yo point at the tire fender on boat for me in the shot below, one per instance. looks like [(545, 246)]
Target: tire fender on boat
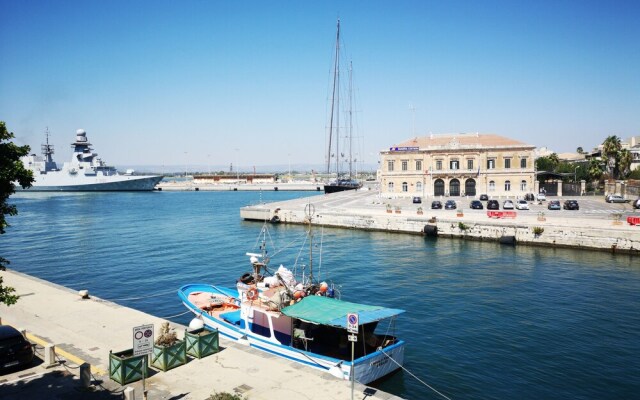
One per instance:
[(252, 294)]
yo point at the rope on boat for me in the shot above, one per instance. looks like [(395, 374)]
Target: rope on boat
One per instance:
[(177, 315), (410, 373), (141, 297)]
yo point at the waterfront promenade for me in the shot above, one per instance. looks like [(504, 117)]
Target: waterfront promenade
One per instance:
[(597, 225), (85, 330)]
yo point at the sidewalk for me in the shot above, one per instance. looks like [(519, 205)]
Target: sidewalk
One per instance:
[(86, 330)]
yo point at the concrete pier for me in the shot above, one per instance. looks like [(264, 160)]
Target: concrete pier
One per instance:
[(597, 226), (242, 187), (85, 330)]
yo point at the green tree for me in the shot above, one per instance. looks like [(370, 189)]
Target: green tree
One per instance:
[(11, 170), (596, 169), (624, 163), (610, 152), (579, 150)]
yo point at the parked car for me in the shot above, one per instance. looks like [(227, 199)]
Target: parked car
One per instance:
[(636, 204), (417, 200), (522, 204), (554, 205), (15, 350), (542, 197), (484, 197), (493, 205), (615, 198), (476, 205), (450, 205), (571, 205), (507, 205), (436, 205)]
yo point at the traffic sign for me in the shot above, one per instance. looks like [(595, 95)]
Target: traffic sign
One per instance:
[(142, 340), (352, 323), (353, 338)]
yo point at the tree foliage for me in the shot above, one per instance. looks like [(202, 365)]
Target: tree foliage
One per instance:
[(610, 153), (11, 170)]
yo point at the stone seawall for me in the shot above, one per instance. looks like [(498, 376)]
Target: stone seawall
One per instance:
[(600, 234)]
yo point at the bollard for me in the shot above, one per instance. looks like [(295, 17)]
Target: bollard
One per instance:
[(85, 375), (129, 393), (49, 355)]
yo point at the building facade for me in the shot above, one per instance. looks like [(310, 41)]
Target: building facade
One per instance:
[(467, 164)]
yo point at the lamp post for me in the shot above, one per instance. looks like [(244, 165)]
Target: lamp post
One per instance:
[(575, 174), (237, 169), (185, 166)]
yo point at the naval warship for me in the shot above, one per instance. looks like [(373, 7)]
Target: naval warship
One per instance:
[(86, 172)]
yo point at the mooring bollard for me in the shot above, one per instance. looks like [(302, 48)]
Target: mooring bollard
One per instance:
[(129, 393), (85, 375), (49, 355)]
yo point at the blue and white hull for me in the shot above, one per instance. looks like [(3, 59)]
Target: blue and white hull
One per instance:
[(250, 323)]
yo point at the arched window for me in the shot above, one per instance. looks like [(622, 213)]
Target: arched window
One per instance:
[(492, 186), (507, 186), (454, 187), (405, 187), (523, 186), (419, 187), (470, 187), (438, 187), (390, 187)]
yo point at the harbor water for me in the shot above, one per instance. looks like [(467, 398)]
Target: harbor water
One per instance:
[(482, 321)]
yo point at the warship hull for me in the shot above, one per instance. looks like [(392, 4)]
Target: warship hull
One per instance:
[(97, 184)]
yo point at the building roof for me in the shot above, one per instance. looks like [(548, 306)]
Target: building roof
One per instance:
[(460, 140)]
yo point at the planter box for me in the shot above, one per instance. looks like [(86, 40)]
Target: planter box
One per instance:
[(165, 358), (202, 342), (125, 368)]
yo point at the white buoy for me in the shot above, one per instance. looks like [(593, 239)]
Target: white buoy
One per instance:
[(196, 324), (84, 293)]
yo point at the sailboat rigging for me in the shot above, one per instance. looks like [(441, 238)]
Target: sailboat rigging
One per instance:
[(341, 183)]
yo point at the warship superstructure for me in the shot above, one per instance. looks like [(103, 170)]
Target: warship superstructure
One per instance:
[(86, 172)]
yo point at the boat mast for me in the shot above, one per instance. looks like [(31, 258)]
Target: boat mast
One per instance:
[(47, 149), (335, 105), (350, 118)]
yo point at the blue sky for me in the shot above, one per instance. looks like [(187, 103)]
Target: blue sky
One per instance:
[(243, 82)]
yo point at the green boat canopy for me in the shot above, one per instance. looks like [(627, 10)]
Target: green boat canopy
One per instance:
[(327, 311)]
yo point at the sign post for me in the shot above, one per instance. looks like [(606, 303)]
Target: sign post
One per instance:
[(352, 327), (143, 345)]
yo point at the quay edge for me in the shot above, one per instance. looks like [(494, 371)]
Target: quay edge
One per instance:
[(85, 330), (346, 211)]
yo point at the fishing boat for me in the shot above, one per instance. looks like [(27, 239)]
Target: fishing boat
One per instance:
[(299, 319), (342, 182), (85, 172)]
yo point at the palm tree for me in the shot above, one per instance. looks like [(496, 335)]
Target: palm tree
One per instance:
[(555, 161), (610, 149), (595, 169), (624, 162)]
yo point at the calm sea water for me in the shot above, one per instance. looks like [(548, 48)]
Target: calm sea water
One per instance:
[(483, 321)]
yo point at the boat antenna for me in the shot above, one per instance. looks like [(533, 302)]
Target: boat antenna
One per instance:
[(309, 210)]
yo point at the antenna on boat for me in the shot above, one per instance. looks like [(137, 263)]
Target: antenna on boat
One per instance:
[(309, 210)]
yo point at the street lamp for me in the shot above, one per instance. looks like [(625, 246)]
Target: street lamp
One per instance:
[(185, 165), (575, 174)]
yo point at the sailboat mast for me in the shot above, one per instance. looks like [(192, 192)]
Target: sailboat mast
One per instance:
[(335, 104), (350, 119)]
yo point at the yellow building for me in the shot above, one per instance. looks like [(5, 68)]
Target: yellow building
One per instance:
[(466, 164)]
